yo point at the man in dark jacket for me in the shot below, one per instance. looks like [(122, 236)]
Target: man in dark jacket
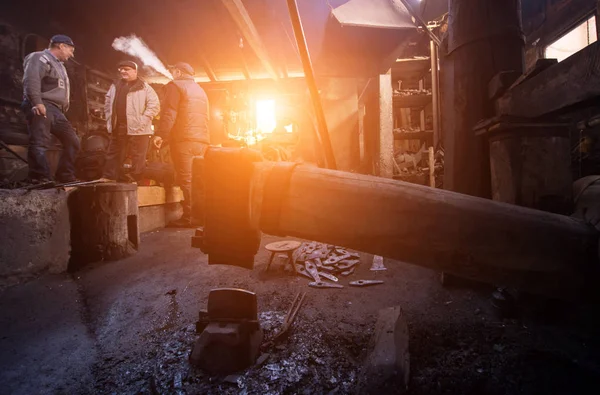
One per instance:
[(184, 124), (45, 101)]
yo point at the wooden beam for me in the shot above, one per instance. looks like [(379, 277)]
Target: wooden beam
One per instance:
[(243, 21), (569, 82), (475, 238), (210, 72), (196, 40), (597, 14)]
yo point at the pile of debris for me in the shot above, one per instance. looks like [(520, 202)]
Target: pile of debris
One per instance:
[(414, 166), (318, 261)]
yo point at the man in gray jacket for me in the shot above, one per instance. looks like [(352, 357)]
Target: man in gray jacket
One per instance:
[(184, 124), (130, 106), (46, 99)]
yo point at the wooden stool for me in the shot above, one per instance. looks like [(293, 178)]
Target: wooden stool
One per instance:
[(287, 246)]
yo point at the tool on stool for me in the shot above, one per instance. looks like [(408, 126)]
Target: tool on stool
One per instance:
[(286, 246)]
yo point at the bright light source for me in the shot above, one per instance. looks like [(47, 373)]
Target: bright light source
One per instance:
[(574, 41), (265, 116)]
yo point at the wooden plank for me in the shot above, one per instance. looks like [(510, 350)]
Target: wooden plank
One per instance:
[(574, 80), (431, 167), (386, 127), (471, 237), (243, 21), (155, 195)]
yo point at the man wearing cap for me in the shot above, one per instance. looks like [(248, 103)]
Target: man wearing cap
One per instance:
[(45, 101), (184, 124), (130, 106)]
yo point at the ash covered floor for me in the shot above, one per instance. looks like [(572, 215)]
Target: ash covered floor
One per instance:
[(127, 327)]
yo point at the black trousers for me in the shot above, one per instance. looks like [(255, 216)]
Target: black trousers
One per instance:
[(182, 155), (120, 148), (40, 128)]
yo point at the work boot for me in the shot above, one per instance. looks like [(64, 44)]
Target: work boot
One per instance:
[(183, 222)]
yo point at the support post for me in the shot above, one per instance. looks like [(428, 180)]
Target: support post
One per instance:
[(386, 126), (312, 84), (431, 167), (435, 89), (484, 38)]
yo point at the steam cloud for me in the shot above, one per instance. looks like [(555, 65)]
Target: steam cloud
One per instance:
[(135, 46)]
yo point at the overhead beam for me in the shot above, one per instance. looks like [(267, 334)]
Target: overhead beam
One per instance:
[(569, 82), (242, 19), (309, 74), (210, 72)]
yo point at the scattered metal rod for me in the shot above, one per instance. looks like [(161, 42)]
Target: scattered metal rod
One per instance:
[(364, 283), (323, 284), (289, 319), (50, 185), (311, 268), (328, 276), (43, 185)]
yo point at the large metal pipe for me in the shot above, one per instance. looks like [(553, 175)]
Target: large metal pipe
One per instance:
[(312, 84), (471, 237)]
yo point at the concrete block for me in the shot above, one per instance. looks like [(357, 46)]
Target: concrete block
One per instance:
[(157, 217), (34, 235), (155, 195), (104, 223), (387, 367)]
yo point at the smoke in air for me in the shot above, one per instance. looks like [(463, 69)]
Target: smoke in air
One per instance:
[(135, 46)]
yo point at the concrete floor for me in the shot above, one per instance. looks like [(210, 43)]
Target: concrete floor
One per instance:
[(127, 326)]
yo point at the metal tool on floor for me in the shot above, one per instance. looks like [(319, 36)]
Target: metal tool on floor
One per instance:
[(311, 268), (377, 264), (328, 276), (364, 283), (323, 284), (288, 321)]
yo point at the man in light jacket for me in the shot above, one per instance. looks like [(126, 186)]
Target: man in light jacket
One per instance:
[(130, 106), (46, 99)]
